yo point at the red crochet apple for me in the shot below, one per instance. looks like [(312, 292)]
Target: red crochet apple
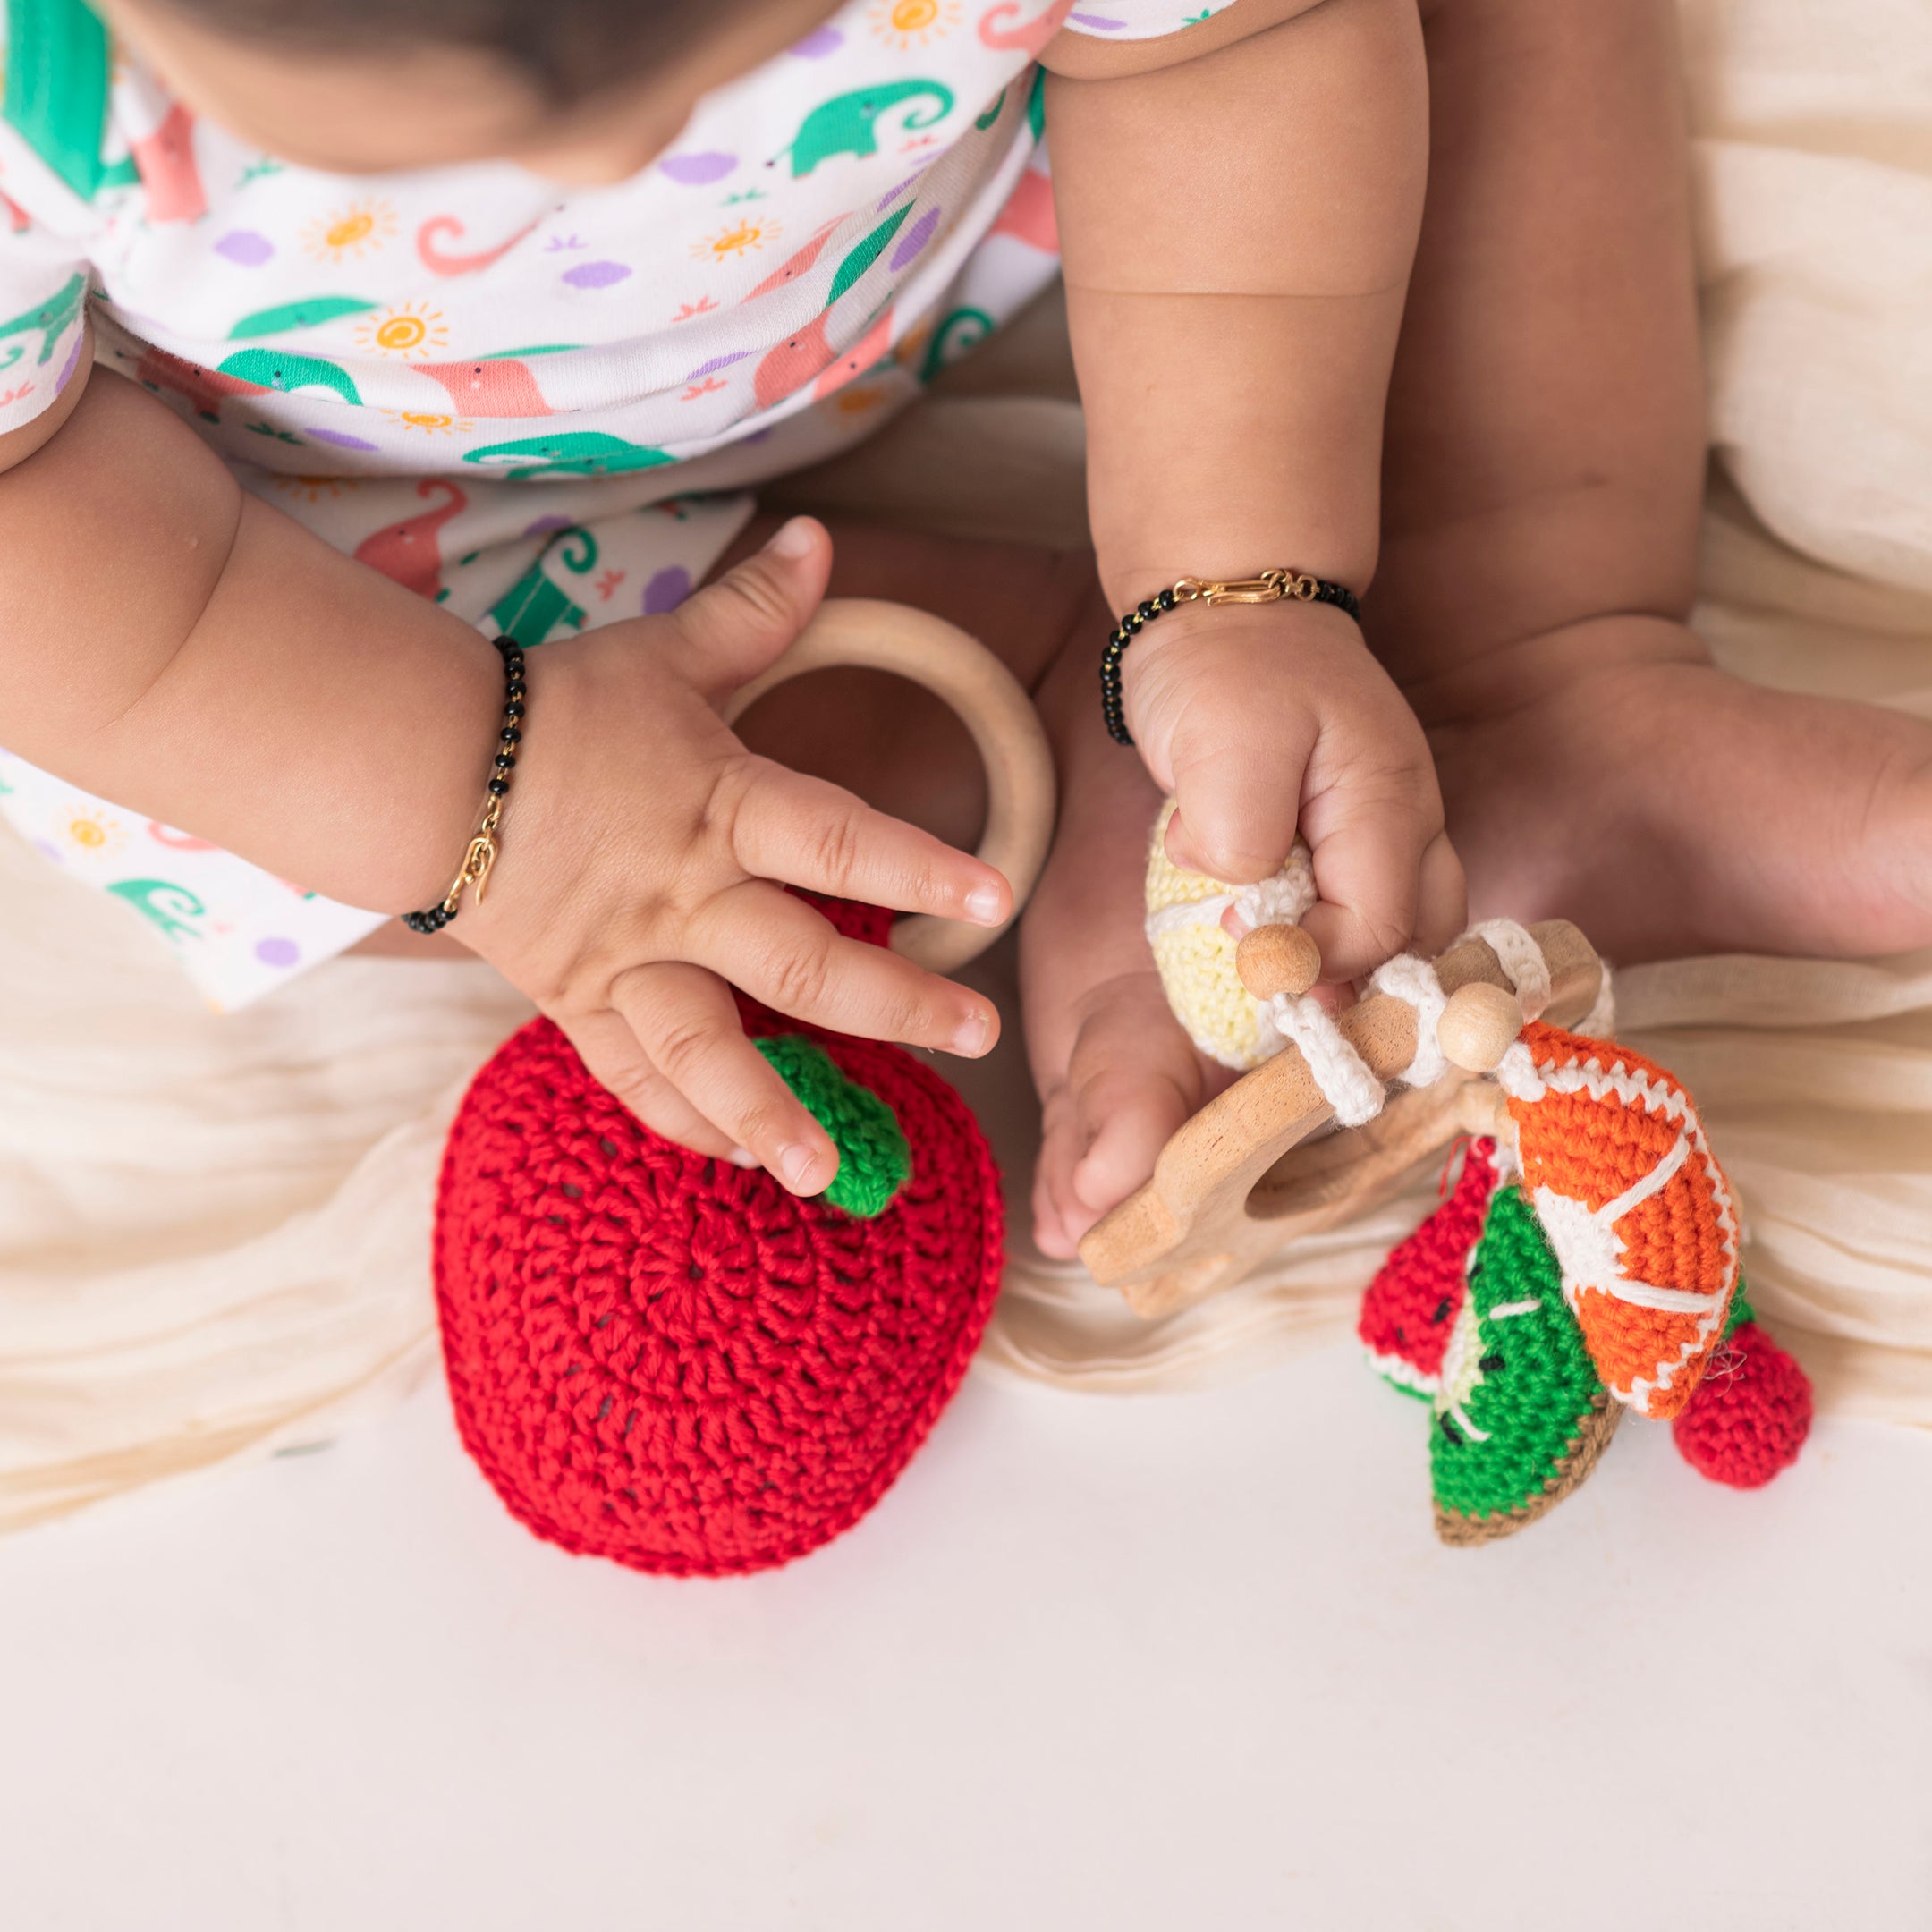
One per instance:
[(668, 1361)]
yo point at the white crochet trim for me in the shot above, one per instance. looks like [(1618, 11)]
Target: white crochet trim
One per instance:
[(1600, 1021), (1188, 913), (1341, 1073), (1522, 961), (1280, 901), (1413, 980)]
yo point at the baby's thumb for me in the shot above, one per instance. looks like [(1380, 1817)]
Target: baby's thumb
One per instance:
[(1234, 817), (735, 628)]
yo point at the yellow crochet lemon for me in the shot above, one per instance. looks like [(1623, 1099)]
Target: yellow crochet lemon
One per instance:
[(1196, 954)]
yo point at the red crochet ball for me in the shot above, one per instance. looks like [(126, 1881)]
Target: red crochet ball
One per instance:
[(669, 1360), (1748, 1417)]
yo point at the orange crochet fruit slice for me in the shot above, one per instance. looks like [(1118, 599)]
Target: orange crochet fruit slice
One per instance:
[(1635, 1206)]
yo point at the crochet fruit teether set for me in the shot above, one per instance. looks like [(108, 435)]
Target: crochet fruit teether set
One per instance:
[(668, 1361), (1584, 1260)]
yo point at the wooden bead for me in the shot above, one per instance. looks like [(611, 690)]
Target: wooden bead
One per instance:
[(1477, 1026), (1273, 960)]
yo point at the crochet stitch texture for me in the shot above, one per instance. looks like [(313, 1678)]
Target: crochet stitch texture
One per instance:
[(670, 1361)]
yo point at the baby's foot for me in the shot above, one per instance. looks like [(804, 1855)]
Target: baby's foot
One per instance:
[(1609, 774)]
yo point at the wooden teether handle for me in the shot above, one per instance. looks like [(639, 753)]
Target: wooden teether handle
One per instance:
[(873, 635), (1207, 1219)]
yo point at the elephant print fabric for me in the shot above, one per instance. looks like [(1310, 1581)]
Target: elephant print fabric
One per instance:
[(448, 373), (779, 274)]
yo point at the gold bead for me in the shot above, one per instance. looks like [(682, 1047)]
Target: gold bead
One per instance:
[(1275, 960), (1477, 1026)]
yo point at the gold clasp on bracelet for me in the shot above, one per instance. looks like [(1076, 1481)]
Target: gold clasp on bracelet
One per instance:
[(1269, 587), (478, 860)]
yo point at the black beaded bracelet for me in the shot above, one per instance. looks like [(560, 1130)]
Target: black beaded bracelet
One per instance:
[(481, 855), (1269, 587)]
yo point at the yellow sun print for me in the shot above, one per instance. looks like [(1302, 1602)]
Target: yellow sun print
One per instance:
[(737, 240), (407, 330), (93, 831), (311, 488), (431, 422), (348, 234), (906, 24)]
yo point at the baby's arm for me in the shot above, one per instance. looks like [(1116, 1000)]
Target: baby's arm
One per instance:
[(1238, 205), (179, 647), (176, 646)]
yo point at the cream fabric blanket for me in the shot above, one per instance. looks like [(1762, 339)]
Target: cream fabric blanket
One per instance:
[(214, 1232)]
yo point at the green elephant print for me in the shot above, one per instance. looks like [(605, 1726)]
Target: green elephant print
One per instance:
[(50, 318), (568, 452), (961, 330), (536, 604), (278, 369), (170, 907), (310, 312), (844, 124)]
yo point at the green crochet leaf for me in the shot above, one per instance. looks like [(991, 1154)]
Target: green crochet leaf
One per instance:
[(874, 1159), (1740, 1312), (1521, 1412)]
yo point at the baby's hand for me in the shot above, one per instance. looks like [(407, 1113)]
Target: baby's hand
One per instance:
[(638, 870), (1266, 718)]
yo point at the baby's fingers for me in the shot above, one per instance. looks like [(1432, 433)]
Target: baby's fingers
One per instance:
[(1235, 812), (610, 1051), (803, 831), (1368, 845), (687, 1027), (781, 951)]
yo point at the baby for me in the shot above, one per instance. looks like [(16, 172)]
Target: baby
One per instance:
[(416, 324)]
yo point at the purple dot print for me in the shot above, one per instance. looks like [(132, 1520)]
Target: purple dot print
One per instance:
[(596, 273), (716, 363), (914, 238), (277, 952), (893, 194), (341, 438), (698, 170), (820, 42), (70, 365), (244, 248), (546, 524), (666, 590)]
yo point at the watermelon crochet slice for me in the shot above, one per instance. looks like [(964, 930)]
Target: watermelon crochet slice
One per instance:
[(1522, 1415), (1411, 1307)]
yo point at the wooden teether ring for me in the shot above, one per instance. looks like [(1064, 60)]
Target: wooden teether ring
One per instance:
[(870, 635)]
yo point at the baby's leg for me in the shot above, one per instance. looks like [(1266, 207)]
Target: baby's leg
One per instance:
[(1545, 463)]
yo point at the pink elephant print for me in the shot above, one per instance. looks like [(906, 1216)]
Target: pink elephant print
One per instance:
[(1028, 214), (406, 551), (201, 388), (862, 354), (499, 386)]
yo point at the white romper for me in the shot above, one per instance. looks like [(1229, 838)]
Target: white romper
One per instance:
[(541, 407)]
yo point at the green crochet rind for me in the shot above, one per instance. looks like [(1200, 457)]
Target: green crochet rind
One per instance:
[(874, 1159), (1516, 1390)]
